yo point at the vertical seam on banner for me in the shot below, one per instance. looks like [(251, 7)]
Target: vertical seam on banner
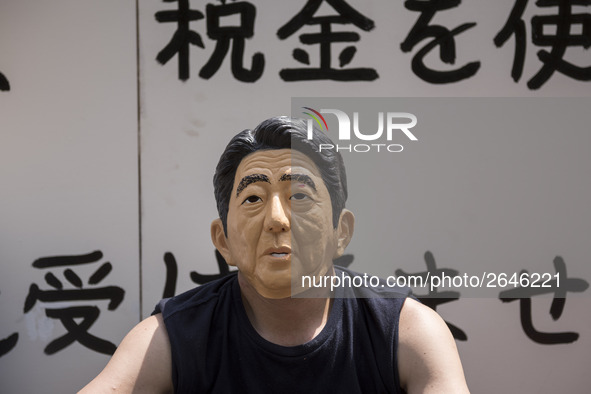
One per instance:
[(139, 157)]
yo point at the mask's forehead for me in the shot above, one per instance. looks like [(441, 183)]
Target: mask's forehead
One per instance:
[(275, 160), (301, 162), (265, 161)]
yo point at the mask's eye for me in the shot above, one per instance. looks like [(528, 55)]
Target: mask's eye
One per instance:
[(299, 196), (251, 199)]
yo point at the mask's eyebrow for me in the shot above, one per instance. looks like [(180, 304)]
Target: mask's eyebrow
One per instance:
[(302, 178), (247, 180)]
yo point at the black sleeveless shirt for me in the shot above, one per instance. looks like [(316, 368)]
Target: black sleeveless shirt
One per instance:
[(215, 349)]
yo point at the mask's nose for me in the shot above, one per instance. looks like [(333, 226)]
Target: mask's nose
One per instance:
[(278, 215)]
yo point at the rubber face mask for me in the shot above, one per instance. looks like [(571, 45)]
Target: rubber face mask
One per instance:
[(279, 222)]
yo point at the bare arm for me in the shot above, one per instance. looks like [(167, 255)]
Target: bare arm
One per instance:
[(428, 360), (141, 364)]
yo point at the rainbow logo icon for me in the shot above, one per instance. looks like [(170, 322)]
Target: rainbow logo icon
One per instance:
[(315, 115)]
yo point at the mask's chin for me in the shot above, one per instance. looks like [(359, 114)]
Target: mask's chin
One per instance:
[(312, 285), (274, 289)]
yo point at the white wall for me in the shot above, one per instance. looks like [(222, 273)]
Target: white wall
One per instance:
[(94, 132)]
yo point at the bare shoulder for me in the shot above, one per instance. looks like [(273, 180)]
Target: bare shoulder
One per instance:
[(141, 364), (428, 360)]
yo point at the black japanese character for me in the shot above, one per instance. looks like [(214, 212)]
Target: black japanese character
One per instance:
[(524, 294), (344, 260), (4, 84), (89, 314), (515, 25), (78, 331), (553, 60), (563, 21), (326, 37), (435, 298), (201, 279), (442, 37), (182, 38), (7, 344), (235, 35), (172, 273)]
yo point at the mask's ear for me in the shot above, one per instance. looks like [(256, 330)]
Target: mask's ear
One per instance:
[(344, 231), (220, 241)]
